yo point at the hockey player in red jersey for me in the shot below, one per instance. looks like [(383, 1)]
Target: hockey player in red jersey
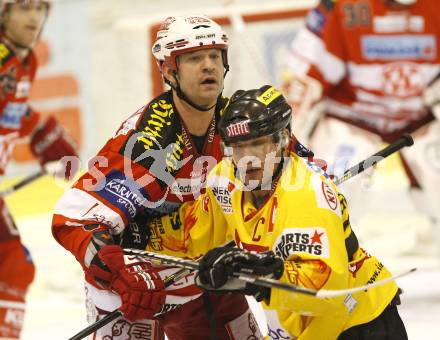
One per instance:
[(372, 63), (21, 25), (157, 159)]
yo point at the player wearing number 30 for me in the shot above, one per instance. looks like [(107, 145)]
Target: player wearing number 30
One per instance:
[(269, 199)]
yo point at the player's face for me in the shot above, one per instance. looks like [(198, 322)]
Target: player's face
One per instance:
[(256, 160), (200, 75), (23, 22)]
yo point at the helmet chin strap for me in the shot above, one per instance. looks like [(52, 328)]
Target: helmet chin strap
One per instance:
[(16, 44)]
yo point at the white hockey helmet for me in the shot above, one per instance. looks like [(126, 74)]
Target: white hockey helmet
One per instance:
[(182, 34)]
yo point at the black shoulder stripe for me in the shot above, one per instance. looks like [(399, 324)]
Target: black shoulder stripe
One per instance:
[(343, 202), (346, 224), (351, 245)]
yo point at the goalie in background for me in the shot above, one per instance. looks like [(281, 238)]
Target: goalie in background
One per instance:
[(276, 203), (374, 67), (21, 25)]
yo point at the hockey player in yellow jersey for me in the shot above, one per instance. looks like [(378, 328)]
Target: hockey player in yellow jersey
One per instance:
[(273, 202)]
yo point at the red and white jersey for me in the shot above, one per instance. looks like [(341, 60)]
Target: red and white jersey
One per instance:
[(372, 59), (17, 119), (150, 166)]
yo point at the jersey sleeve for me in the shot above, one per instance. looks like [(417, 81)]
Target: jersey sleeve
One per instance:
[(318, 49), (113, 190), (340, 264), (328, 269), (192, 230)]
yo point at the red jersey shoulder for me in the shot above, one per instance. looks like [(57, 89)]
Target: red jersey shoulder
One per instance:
[(130, 123)]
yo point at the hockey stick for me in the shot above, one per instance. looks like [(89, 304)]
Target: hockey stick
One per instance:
[(189, 266), (22, 183), (405, 140), (169, 280), (50, 169), (263, 281)]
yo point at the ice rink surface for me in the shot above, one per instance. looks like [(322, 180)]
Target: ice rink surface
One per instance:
[(56, 306)]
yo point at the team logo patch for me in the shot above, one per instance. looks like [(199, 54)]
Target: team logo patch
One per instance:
[(124, 193), (403, 79), (302, 240), (399, 47), (13, 114), (325, 195), (330, 196), (222, 190)]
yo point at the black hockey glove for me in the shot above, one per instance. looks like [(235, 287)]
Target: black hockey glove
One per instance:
[(216, 270)]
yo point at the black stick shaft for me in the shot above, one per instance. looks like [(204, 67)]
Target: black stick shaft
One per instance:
[(405, 140), (193, 265), (22, 183)]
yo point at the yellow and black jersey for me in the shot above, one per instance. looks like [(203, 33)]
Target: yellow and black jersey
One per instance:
[(305, 222)]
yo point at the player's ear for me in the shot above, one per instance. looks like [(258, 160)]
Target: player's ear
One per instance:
[(169, 73), (284, 138)]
